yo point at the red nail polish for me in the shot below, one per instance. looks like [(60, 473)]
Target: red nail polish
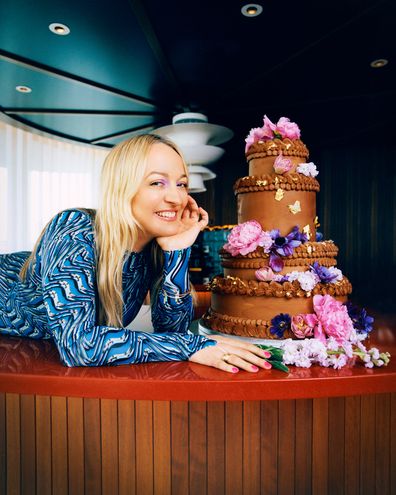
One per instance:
[(235, 370)]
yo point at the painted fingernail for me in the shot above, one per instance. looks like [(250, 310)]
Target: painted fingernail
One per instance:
[(267, 354), (267, 365), (235, 370), (254, 368)]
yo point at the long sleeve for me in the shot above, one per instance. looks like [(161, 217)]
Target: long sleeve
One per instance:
[(173, 308), (68, 271)]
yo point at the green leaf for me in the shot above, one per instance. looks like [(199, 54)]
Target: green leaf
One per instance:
[(279, 366)]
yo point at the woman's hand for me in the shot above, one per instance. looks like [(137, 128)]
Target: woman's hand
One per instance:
[(232, 355), (192, 221)]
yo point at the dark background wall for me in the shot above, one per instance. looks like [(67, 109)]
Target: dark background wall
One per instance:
[(356, 207)]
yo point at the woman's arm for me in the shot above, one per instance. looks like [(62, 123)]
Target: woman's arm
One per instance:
[(68, 282)]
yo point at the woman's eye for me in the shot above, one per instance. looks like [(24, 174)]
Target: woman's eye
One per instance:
[(183, 184), (156, 183)]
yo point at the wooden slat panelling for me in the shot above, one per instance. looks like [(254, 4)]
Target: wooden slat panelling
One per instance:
[(216, 450), (336, 445), (162, 447), (382, 443), (144, 447), (76, 446), (13, 444), (179, 439), (43, 445), (109, 440), (92, 447), (251, 448), (59, 445), (269, 446), (126, 447), (320, 444), (303, 461), (233, 447), (3, 445), (367, 445), (286, 453), (28, 445), (197, 448), (352, 445), (75, 432)]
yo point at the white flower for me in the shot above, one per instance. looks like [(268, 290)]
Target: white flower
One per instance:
[(308, 169), (307, 280), (337, 272)]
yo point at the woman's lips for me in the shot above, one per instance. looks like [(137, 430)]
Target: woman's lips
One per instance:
[(168, 216)]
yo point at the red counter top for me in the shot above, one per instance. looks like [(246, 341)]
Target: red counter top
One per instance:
[(34, 367)]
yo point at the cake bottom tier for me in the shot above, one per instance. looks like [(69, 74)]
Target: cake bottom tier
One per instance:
[(248, 316)]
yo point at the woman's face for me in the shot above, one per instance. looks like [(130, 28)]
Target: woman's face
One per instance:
[(162, 196)]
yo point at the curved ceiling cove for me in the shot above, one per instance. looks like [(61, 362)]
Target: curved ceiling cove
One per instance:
[(128, 66)]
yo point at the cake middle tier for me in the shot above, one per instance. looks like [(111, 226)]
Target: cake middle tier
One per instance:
[(278, 202)]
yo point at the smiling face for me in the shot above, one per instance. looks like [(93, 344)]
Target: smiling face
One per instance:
[(162, 196)]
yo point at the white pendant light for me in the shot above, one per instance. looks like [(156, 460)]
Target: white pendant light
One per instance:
[(197, 140)]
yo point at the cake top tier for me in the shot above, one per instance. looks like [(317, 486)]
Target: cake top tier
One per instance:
[(273, 139)]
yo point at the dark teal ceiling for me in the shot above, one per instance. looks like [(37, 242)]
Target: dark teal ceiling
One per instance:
[(129, 65)]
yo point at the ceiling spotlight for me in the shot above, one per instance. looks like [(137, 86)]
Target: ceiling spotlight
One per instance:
[(380, 62), (58, 28), (251, 10), (23, 89)]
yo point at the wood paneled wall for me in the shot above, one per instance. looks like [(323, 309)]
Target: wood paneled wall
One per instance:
[(55, 445)]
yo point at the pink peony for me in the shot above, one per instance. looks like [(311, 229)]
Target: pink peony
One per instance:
[(333, 319), (246, 237), (255, 134), (268, 128), (282, 165), (265, 274), (287, 129), (303, 325)]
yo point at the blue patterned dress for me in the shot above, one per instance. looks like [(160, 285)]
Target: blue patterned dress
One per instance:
[(58, 300)]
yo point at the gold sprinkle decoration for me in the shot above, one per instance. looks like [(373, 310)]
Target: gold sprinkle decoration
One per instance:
[(295, 179), (309, 249), (261, 182), (279, 194), (316, 222), (307, 231), (295, 208), (276, 181)]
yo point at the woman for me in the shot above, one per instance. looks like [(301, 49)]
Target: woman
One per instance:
[(89, 273)]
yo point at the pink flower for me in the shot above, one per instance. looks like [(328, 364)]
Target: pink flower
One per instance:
[(303, 325), (255, 134), (282, 165), (268, 128), (265, 274), (333, 317), (287, 129), (246, 237)]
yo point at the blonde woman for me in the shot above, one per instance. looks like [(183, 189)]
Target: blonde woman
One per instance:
[(89, 273)]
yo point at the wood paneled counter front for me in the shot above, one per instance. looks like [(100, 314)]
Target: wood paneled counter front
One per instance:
[(185, 428)]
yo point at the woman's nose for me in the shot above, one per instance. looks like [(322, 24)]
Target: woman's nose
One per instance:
[(173, 195)]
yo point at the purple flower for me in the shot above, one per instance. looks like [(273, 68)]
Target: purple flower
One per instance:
[(325, 275), (284, 246), (360, 319), (279, 324), (319, 236)]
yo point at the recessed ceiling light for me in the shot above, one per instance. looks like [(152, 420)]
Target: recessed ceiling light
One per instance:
[(251, 9), (58, 28), (23, 89), (380, 62)]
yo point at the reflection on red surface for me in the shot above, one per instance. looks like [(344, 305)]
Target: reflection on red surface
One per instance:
[(36, 369)]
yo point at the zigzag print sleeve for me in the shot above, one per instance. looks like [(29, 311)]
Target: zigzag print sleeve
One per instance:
[(69, 293), (173, 310)]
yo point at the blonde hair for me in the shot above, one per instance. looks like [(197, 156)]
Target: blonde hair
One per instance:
[(116, 228)]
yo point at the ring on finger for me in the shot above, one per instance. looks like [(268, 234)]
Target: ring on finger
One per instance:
[(226, 358)]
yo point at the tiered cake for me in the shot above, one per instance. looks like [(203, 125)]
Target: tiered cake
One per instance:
[(274, 261)]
